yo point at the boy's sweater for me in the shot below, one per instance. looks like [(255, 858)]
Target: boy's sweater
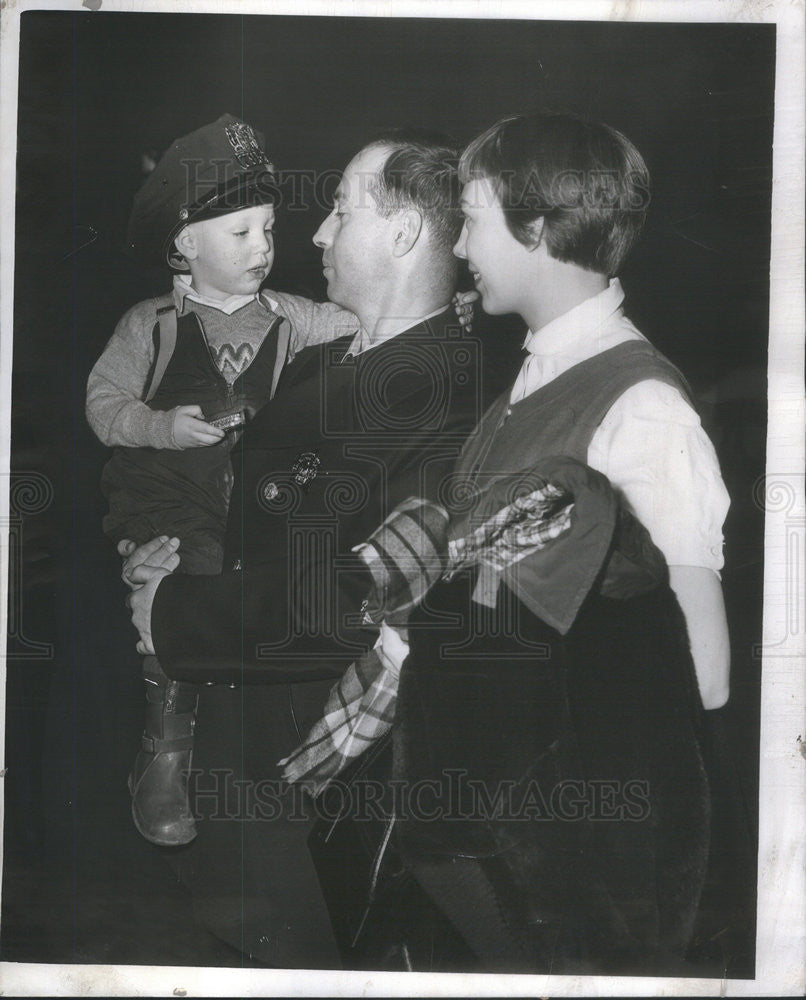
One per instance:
[(115, 408)]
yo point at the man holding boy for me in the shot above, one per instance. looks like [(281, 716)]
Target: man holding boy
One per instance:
[(355, 427)]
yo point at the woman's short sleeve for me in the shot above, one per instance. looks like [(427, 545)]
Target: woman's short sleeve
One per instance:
[(652, 447)]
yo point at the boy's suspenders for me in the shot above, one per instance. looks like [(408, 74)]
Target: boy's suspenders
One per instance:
[(284, 347), (166, 344)]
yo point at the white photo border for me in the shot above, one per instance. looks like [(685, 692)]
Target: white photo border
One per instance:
[(781, 934)]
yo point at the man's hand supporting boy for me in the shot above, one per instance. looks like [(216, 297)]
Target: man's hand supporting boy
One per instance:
[(143, 570)]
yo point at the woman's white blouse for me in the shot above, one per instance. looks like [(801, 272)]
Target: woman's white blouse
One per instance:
[(650, 445)]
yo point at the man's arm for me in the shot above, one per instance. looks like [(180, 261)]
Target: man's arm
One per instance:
[(241, 627)]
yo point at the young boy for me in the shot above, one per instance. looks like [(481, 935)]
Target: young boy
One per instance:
[(179, 377)]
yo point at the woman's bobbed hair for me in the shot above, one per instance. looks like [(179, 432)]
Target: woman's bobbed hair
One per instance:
[(585, 180)]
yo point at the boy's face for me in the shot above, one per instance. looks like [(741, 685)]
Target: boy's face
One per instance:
[(233, 253), (502, 267)]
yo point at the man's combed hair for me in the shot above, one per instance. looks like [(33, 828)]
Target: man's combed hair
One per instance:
[(421, 172), (587, 182)]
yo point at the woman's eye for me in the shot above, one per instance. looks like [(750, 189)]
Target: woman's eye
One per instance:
[(243, 232)]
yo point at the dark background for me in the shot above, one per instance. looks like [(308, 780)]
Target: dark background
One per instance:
[(97, 91)]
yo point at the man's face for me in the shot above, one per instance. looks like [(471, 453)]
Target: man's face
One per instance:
[(499, 264), (234, 252), (354, 239)]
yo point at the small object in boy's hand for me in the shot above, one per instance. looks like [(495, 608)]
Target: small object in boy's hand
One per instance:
[(229, 421)]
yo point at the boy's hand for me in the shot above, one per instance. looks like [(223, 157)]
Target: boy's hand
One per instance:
[(463, 304), (190, 429)]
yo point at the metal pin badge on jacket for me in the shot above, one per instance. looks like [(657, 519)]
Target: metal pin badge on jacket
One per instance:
[(305, 468)]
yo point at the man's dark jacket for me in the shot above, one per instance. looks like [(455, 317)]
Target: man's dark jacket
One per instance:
[(344, 441)]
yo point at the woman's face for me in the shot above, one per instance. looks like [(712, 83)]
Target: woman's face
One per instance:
[(502, 268)]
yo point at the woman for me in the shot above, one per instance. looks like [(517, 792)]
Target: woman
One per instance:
[(607, 713)]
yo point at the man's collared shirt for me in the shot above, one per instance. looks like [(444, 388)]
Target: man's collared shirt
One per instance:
[(362, 343), (650, 445)]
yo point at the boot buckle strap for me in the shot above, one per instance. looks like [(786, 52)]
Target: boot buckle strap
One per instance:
[(153, 745), (175, 726)]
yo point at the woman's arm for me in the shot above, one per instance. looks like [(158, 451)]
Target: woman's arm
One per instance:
[(655, 452), (699, 593)]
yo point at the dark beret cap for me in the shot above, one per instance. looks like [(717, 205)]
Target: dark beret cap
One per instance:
[(218, 169)]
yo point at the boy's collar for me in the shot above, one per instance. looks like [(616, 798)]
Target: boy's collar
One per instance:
[(183, 289)]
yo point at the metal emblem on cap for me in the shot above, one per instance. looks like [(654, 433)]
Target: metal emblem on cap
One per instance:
[(183, 213), (244, 144), (306, 467)]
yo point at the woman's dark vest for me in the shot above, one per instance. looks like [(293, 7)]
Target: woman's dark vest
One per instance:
[(185, 492), (567, 768), (562, 417)]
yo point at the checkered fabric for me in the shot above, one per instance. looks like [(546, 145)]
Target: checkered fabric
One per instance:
[(550, 533), (359, 710), (407, 555)]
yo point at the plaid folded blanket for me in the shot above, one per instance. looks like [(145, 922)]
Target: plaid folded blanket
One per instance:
[(547, 543), (359, 710)]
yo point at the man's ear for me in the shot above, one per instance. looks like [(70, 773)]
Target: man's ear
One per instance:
[(408, 225), (185, 243)]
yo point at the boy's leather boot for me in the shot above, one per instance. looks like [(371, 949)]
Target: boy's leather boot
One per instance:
[(159, 779)]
